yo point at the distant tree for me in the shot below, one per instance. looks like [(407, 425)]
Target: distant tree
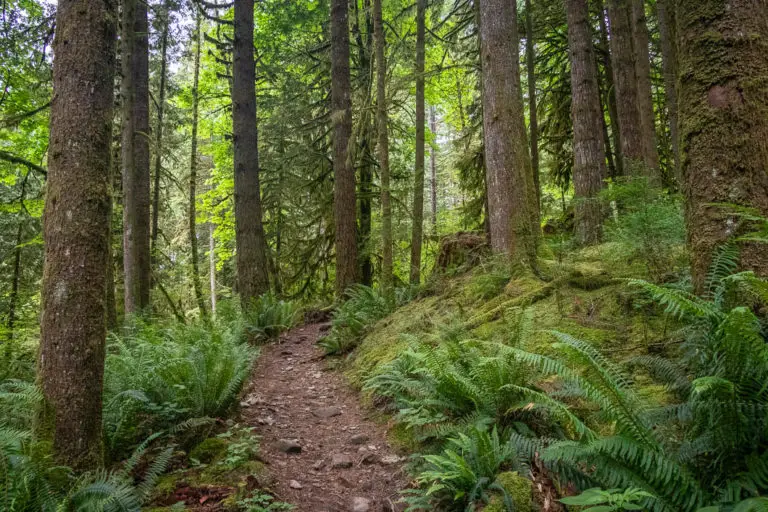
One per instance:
[(135, 155), (417, 231), (252, 277), (382, 149), (76, 225), (588, 150), (641, 44), (344, 204)]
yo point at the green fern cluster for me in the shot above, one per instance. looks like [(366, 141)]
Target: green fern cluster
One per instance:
[(460, 477), (269, 316), (364, 307), (158, 376), (29, 481)]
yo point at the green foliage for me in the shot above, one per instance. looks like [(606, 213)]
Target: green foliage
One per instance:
[(647, 226), (158, 376), (465, 471), (29, 481), (269, 316), (609, 500), (364, 307), (259, 501)]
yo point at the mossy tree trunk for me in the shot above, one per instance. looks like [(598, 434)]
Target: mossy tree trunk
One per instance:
[(588, 151), (382, 149), (252, 276), (75, 230), (344, 203), (723, 100), (417, 230), (610, 93), (510, 189)]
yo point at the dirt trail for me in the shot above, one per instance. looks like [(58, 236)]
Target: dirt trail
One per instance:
[(323, 452)]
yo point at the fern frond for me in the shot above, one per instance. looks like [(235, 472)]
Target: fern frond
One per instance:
[(678, 303)]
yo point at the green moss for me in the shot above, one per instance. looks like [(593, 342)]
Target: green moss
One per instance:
[(518, 488), (210, 450)]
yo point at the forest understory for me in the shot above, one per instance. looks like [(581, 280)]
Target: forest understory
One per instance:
[(384, 255)]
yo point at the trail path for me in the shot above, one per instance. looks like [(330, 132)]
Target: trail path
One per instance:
[(321, 448)]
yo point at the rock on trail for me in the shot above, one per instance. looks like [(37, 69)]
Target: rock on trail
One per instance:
[(321, 449)]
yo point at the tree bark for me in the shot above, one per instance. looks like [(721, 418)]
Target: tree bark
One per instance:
[(633, 148), (610, 94), (253, 280), (75, 227), (159, 136), (344, 203), (433, 165), (669, 66), (417, 230), (382, 149), (530, 61), (510, 189), (587, 113), (723, 59), (135, 156), (640, 44), (192, 218)]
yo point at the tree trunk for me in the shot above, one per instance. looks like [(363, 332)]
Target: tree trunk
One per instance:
[(418, 176), (193, 178), (510, 189), (135, 156), (75, 227), (625, 81), (382, 148), (610, 94), (530, 61), (645, 95), (252, 277), (344, 203), (723, 59), (159, 137), (669, 64), (587, 113), (433, 165), (212, 266), (14, 296)]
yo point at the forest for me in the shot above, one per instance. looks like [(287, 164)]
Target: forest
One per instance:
[(384, 255)]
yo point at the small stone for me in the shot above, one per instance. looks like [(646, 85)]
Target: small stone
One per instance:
[(327, 412), (362, 449), (317, 466), (370, 458), (372, 447), (269, 420), (286, 353), (388, 460), (358, 439), (288, 446), (361, 504), (293, 484), (341, 461)]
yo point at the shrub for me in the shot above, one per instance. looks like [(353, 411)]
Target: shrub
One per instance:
[(268, 317), (465, 471), (158, 376), (648, 225), (364, 307)]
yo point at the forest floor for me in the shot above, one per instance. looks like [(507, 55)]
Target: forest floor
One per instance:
[(323, 450)]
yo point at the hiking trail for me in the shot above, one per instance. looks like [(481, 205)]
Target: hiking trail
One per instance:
[(322, 449)]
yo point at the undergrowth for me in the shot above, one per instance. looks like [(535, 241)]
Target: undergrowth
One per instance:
[(364, 307)]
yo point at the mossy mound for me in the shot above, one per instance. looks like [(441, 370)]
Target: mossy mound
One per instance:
[(518, 488), (210, 450)]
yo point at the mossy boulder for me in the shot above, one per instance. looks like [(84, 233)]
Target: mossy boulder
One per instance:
[(210, 450), (519, 488)]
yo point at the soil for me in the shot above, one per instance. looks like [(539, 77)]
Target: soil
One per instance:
[(345, 462)]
